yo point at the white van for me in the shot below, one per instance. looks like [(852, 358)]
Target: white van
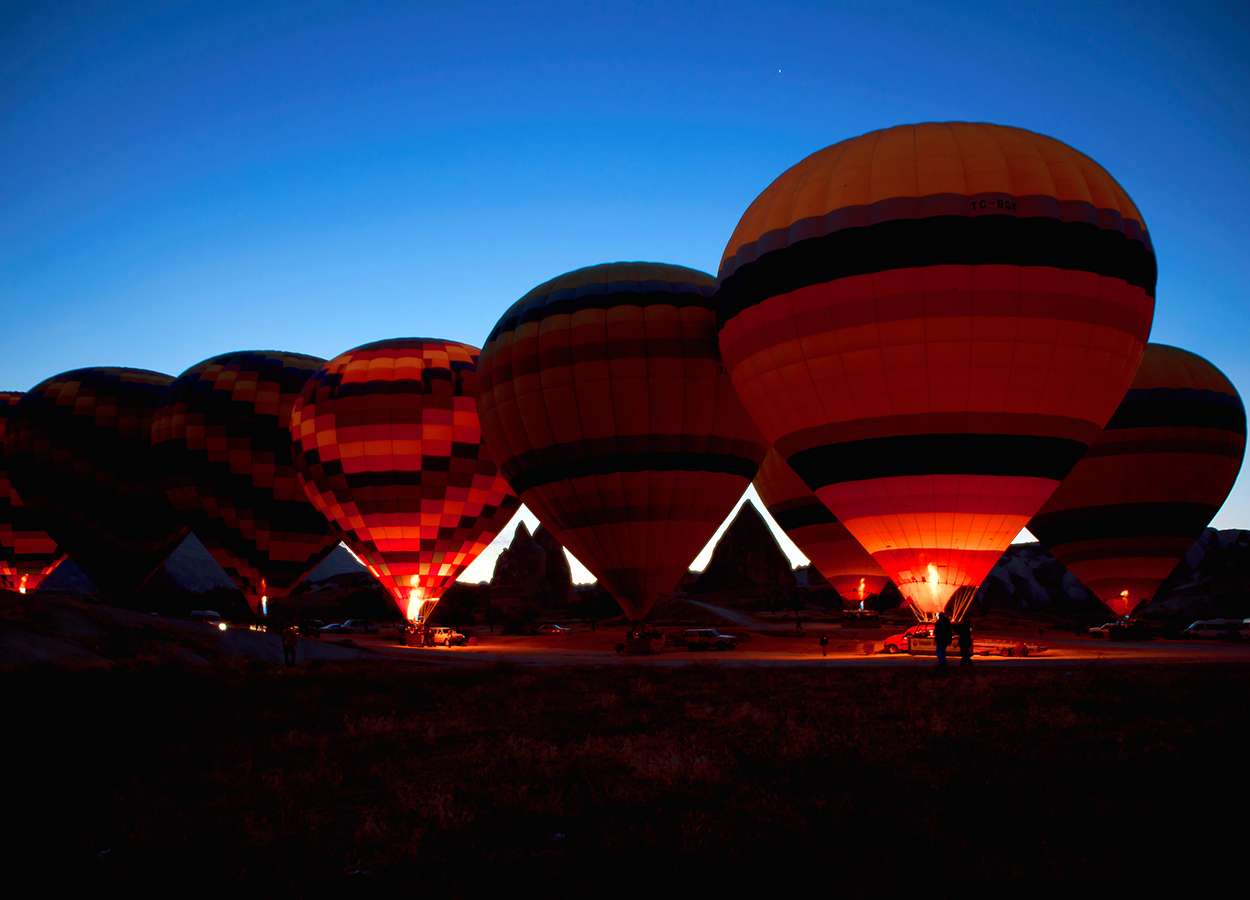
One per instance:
[(1213, 628)]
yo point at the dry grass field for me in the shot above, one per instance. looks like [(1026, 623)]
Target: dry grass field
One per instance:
[(393, 778)]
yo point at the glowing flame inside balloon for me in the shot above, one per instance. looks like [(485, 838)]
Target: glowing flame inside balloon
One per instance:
[(930, 594), (419, 604), (21, 588)]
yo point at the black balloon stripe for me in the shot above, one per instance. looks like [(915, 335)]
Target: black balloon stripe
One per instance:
[(651, 461), (802, 516), (937, 240), (566, 302), (1022, 455), (1182, 409), (1139, 520)]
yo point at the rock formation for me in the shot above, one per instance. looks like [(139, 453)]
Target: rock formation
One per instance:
[(746, 558), (534, 569)]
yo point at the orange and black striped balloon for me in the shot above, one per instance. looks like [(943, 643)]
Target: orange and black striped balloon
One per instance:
[(27, 554), (223, 443), (930, 324), (833, 550), (387, 445), (1134, 505), (604, 399), (78, 449)]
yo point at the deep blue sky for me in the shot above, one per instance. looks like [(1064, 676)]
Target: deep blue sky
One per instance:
[(180, 180)]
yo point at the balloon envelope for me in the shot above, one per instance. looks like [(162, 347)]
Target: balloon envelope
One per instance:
[(604, 400), (27, 553), (387, 446), (1158, 473), (930, 324), (833, 550), (78, 450), (223, 443)]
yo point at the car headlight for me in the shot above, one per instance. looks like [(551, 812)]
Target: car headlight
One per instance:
[(221, 626)]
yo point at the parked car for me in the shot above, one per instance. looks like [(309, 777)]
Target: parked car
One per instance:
[(1214, 628), (897, 643), (360, 626), (211, 616), (446, 637), (310, 627), (706, 639), (334, 628), (1122, 630), (554, 629)]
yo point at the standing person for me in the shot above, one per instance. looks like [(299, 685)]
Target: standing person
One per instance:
[(942, 637), (290, 637), (964, 630), (824, 644)]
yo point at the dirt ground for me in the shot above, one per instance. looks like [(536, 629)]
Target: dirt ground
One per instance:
[(155, 753), (847, 647), (388, 778)]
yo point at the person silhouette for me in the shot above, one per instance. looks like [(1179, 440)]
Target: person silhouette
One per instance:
[(942, 637), (964, 631)]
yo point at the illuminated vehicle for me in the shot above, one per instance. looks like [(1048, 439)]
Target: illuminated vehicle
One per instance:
[(211, 616), (554, 629), (706, 639), (446, 637), (918, 641), (897, 643)]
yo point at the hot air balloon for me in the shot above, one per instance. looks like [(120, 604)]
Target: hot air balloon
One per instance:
[(1139, 499), (223, 445), (78, 450), (930, 324), (833, 550), (27, 554), (387, 446), (604, 400)]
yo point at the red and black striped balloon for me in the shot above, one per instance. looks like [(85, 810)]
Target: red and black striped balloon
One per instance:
[(1152, 481), (386, 444), (78, 449), (223, 443), (833, 550), (604, 399), (27, 553), (931, 323)]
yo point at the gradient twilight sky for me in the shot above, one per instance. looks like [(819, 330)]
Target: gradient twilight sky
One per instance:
[(179, 180)]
